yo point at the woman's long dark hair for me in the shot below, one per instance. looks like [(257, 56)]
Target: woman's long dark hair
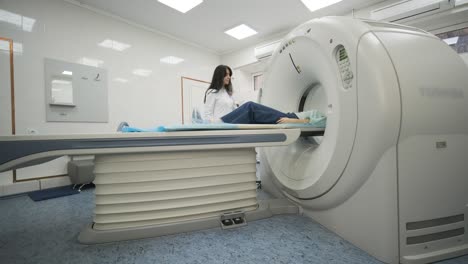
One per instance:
[(218, 81)]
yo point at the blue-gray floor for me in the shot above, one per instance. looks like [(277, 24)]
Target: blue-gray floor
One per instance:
[(46, 232)]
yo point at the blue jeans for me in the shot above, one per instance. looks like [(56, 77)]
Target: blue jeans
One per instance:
[(253, 113)]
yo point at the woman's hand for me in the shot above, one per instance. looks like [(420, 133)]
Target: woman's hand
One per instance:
[(285, 120)]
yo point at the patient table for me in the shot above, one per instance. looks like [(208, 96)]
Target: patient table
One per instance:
[(150, 184)]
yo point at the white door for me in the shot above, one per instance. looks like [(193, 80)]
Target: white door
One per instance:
[(193, 93)]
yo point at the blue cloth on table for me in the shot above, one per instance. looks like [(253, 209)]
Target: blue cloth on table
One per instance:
[(222, 126), (189, 127), (136, 129)]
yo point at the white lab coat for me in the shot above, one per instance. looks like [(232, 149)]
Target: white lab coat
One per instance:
[(218, 104)]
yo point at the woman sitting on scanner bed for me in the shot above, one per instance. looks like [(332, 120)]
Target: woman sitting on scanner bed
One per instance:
[(253, 113), (248, 113)]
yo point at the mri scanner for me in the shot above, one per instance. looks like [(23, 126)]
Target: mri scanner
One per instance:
[(389, 173)]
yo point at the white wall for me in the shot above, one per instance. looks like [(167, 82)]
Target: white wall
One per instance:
[(68, 32), (242, 83), (244, 65)]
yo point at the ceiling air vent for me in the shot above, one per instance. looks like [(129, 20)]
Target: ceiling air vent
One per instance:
[(266, 50), (410, 9)]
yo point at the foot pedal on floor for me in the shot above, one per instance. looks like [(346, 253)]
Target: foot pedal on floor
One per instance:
[(232, 220)]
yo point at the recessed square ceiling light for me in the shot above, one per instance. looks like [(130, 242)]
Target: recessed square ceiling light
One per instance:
[(171, 60), (314, 5), (67, 73), (181, 5), (241, 31)]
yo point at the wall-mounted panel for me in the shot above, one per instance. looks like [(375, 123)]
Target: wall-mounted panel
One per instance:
[(75, 92)]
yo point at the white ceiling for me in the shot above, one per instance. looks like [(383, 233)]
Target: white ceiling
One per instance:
[(204, 25)]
